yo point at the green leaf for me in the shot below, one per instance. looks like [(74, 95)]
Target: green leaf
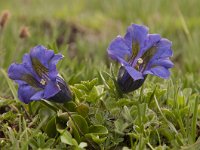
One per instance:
[(79, 123), (93, 95), (120, 125), (98, 130), (45, 113), (50, 128), (78, 93), (63, 116), (82, 109), (66, 136), (127, 114), (123, 101), (71, 106), (82, 87), (96, 138)]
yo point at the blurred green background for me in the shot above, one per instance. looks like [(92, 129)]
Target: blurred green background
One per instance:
[(83, 29)]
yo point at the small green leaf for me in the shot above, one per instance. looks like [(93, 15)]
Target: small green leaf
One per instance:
[(67, 138), (93, 95), (93, 82), (127, 114), (96, 138), (77, 121), (45, 113), (63, 116), (82, 109), (122, 102), (98, 130), (50, 128), (120, 126), (81, 87), (71, 106)]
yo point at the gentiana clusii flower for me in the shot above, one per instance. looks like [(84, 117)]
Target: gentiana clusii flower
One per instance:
[(140, 54), (38, 77)]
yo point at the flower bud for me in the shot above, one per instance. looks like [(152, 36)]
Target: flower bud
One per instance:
[(126, 83), (64, 95)]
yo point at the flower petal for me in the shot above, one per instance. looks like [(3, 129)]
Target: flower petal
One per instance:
[(51, 89), (159, 55), (159, 71), (42, 54), (64, 94), (25, 92), (126, 83), (21, 75), (17, 71), (136, 34), (27, 62), (38, 96), (165, 62), (52, 66), (150, 41), (163, 49), (119, 48), (136, 75)]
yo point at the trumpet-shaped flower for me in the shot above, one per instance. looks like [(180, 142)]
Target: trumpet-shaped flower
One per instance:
[(38, 77), (140, 54)]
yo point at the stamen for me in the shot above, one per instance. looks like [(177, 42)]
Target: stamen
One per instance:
[(43, 82), (140, 61)]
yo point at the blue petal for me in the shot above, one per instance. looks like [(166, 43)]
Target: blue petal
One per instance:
[(136, 34), (37, 96), (42, 54), (165, 62), (162, 52), (27, 62), (52, 66), (119, 48), (25, 92), (150, 41), (17, 72), (51, 89), (136, 75), (159, 71), (163, 49), (64, 94), (48, 60)]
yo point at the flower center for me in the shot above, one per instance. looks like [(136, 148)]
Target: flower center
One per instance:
[(42, 81), (140, 61)]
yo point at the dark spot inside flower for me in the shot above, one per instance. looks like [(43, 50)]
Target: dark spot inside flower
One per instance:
[(40, 69), (135, 49), (146, 57), (31, 80)]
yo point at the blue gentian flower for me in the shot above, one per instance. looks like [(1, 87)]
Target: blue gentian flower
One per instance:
[(140, 54), (38, 77)]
